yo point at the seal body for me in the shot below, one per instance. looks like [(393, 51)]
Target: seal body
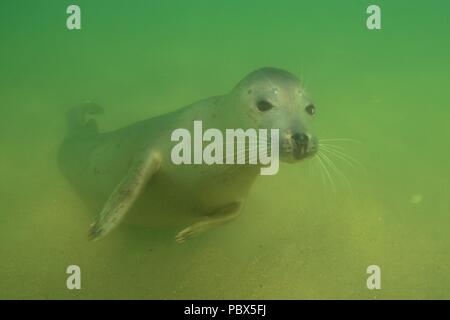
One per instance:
[(129, 172)]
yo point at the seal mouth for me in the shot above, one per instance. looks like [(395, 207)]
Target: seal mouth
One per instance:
[(300, 152), (294, 150)]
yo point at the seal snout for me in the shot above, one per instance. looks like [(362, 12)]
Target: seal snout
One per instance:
[(303, 145)]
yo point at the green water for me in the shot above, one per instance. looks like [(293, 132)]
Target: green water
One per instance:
[(298, 237)]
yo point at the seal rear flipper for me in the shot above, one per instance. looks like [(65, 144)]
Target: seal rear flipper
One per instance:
[(76, 118), (125, 195)]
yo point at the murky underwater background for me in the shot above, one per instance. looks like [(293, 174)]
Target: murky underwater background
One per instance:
[(298, 237)]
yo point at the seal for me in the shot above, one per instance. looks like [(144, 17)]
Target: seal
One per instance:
[(130, 169)]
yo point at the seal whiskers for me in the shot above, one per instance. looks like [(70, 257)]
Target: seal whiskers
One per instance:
[(335, 169), (327, 172), (339, 153)]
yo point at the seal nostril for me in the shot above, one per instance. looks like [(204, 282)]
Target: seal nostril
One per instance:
[(300, 139), (303, 145)]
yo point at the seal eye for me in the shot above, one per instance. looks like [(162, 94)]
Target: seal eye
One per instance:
[(263, 105), (310, 109)]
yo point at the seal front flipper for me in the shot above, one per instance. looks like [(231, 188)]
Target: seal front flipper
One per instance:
[(218, 217), (124, 195)]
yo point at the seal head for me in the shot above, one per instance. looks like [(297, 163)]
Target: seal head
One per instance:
[(275, 99)]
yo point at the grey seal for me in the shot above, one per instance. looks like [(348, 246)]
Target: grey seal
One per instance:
[(131, 168)]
